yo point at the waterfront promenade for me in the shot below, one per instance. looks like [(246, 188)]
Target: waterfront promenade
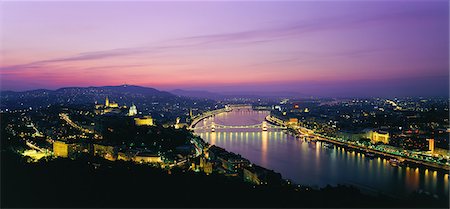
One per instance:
[(310, 133)]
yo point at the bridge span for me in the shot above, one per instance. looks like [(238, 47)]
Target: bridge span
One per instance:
[(195, 120), (214, 126)]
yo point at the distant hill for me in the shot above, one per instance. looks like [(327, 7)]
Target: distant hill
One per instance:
[(230, 95), (126, 94), (197, 94)]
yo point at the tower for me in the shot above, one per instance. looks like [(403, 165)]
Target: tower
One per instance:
[(107, 102), (264, 126), (177, 124), (190, 112), (431, 145)]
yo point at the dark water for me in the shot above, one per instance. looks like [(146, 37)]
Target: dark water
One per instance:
[(310, 163)]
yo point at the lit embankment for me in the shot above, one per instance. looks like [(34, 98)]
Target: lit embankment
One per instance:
[(310, 133), (204, 115)]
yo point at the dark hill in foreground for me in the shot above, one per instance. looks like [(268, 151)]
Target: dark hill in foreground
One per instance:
[(94, 183)]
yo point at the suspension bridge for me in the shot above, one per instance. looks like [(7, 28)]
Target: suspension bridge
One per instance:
[(214, 126)]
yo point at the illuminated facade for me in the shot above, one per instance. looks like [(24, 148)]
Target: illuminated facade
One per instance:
[(144, 121), (147, 158), (431, 145), (123, 156), (104, 151), (60, 149), (64, 149), (108, 107), (379, 136), (132, 111), (293, 121)]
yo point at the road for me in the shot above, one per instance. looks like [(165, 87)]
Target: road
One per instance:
[(66, 118)]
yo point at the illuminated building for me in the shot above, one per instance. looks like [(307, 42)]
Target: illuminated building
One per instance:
[(208, 168), (113, 105), (108, 107), (379, 136), (132, 111), (104, 151), (179, 125), (64, 149), (306, 110), (296, 106), (232, 162), (145, 157), (293, 121), (144, 121), (123, 156), (277, 107), (431, 145), (60, 149), (110, 104)]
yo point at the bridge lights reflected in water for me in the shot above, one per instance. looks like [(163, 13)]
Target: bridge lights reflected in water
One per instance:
[(310, 163)]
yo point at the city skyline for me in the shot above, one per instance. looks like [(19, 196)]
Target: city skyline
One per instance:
[(316, 48)]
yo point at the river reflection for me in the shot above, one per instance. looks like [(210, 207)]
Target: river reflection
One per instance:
[(311, 163)]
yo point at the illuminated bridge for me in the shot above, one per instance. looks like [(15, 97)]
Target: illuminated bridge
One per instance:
[(214, 126)]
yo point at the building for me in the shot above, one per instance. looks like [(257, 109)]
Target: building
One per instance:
[(208, 168), (179, 125), (379, 136), (107, 107), (125, 156), (132, 111), (113, 105), (232, 162), (144, 121), (65, 149), (146, 157), (104, 151), (60, 149), (259, 175), (110, 104), (431, 145), (293, 121)]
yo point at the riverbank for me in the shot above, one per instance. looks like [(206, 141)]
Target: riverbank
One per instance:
[(385, 155), (309, 163), (362, 149)]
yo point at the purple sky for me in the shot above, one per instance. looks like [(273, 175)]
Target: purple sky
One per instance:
[(342, 48)]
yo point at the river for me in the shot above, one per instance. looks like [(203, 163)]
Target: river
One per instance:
[(311, 163)]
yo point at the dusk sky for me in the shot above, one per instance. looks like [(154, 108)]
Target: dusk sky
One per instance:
[(344, 48)]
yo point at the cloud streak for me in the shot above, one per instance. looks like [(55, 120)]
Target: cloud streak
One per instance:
[(249, 37)]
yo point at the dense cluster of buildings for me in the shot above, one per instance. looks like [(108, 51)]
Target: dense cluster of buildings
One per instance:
[(114, 108), (73, 149), (409, 123)]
